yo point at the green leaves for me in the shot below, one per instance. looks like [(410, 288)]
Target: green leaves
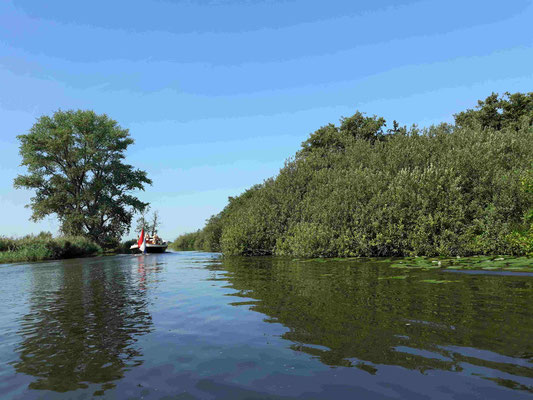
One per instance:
[(355, 191), (510, 111), (75, 165), (357, 127)]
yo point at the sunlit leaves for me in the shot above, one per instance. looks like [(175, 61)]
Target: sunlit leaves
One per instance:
[(354, 190)]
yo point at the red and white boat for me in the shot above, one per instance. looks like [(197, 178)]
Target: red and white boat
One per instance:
[(149, 246)]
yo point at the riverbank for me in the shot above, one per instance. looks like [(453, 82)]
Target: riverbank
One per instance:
[(359, 189), (45, 247)]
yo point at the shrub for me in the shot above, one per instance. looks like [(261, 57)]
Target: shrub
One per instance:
[(186, 241), (124, 247), (307, 239), (355, 190)]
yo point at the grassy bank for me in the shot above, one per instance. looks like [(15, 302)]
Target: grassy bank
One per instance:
[(45, 247), (359, 189)]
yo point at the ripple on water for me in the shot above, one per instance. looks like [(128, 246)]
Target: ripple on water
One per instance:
[(198, 326)]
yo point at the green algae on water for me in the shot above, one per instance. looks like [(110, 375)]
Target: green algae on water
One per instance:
[(489, 263), (393, 277)]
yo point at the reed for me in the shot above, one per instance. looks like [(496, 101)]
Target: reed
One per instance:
[(45, 247)]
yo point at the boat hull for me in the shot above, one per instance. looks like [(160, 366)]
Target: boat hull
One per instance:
[(158, 249), (150, 248)]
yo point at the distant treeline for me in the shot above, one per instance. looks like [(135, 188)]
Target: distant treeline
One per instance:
[(359, 189), (188, 241)]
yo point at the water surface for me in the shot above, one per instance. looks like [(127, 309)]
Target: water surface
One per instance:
[(196, 326)]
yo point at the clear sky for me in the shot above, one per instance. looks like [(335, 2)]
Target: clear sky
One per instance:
[(218, 93)]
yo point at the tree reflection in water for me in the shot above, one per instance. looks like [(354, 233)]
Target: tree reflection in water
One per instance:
[(83, 325), (86, 319), (343, 314)]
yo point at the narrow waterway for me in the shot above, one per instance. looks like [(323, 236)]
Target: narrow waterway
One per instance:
[(195, 326)]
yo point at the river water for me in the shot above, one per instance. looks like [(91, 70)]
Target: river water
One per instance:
[(195, 326)]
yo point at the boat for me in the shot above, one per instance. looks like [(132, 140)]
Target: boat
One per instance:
[(152, 248), (149, 245)]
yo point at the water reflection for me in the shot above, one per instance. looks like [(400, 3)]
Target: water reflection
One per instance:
[(83, 323), (347, 314), (172, 325)]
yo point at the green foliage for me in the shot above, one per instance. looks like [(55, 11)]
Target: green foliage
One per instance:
[(354, 190), (527, 187), (186, 241), (356, 127), (522, 240), (124, 247), (209, 237), (75, 165), (508, 111), (44, 247), (307, 239)]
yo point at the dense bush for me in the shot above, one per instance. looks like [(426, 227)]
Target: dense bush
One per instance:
[(207, 239), (124, 247), (186, 242), (44, 247), (357, 190)]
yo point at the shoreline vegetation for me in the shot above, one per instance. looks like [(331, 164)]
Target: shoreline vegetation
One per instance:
[(45, 247), (361, 190), (75, 165)]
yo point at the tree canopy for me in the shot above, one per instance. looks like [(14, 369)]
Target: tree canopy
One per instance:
[(75, 164), (499, 112), (356, 127)]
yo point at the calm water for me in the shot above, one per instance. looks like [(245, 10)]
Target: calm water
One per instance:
[(194, 326)]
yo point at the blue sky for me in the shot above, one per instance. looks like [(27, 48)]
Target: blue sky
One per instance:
[(217, 94)]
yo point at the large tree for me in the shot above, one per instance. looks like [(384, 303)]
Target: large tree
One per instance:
[(75, 163)]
